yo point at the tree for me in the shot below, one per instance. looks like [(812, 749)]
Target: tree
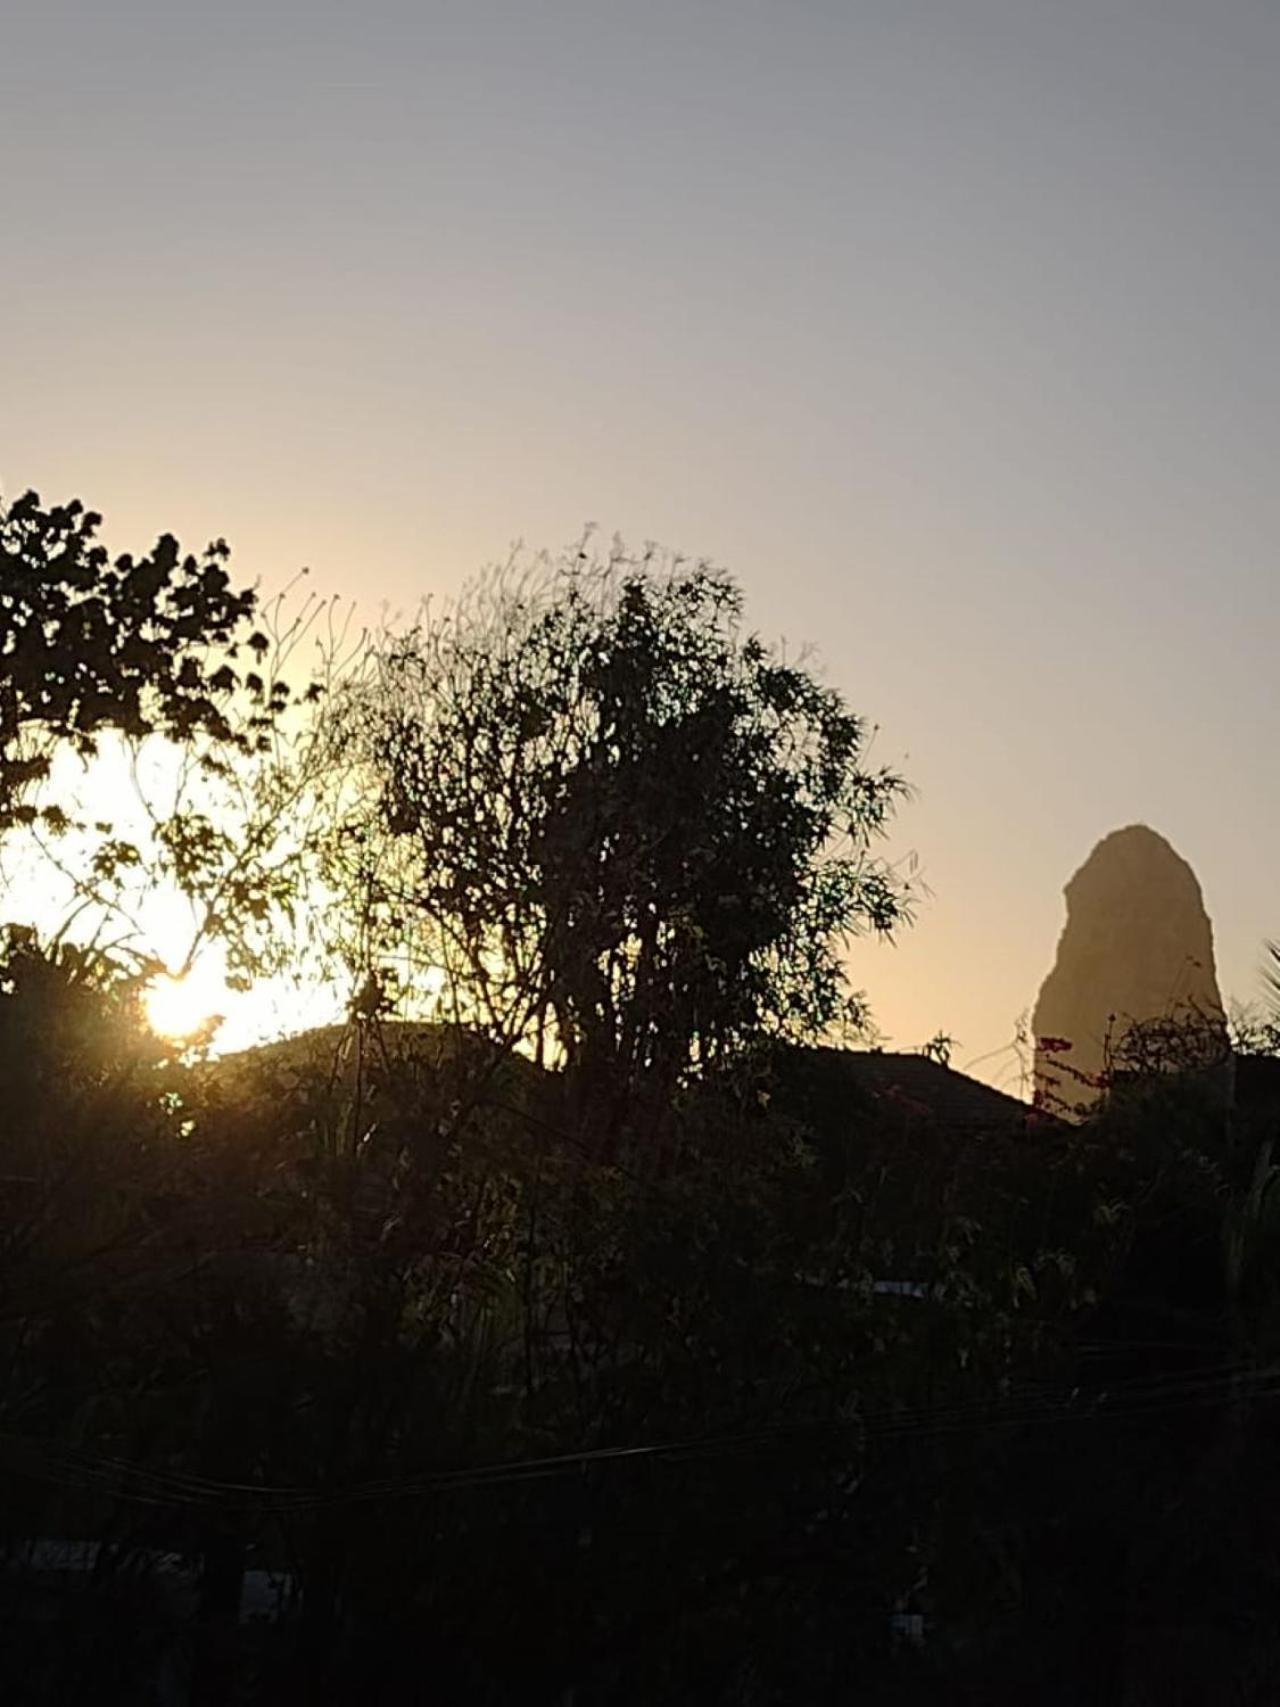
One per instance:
[(137, 645), (628, 832), (161, 665)]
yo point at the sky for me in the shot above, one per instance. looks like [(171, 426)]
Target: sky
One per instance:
[(946, 328)]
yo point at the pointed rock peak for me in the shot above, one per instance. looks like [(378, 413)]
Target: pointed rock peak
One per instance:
[(1136, 949)]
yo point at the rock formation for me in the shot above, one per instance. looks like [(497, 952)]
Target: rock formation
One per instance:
[(1136, 951)]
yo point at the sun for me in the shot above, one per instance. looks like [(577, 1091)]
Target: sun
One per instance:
[(179, 1007)]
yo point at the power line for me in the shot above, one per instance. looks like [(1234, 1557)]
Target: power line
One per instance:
[(1140, 1396)]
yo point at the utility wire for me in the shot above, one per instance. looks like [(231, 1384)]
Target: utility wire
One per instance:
[(1127, 1400)]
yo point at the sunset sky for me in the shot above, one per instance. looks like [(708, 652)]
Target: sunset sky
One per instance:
[(947, 328)]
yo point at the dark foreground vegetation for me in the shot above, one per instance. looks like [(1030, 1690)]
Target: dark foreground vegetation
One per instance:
[(594, 1336)]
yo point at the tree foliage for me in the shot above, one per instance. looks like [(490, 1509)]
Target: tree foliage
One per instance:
[(627, 828), (181, 685), (141, 645)]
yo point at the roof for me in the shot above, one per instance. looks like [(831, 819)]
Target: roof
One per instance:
[(924, 1089)]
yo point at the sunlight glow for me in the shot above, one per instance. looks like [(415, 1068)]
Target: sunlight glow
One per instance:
[(145, 920), (152, 920), (179, 1007)]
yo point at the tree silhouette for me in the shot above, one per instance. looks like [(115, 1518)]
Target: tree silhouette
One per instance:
[(629, 830), (190, 690), (89, 643)]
